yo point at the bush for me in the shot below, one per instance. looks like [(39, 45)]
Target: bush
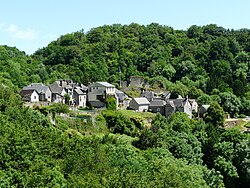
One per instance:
[(118, 123), (110, 103), (242, 116)]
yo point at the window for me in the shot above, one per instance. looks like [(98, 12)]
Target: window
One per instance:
[(34, 97)]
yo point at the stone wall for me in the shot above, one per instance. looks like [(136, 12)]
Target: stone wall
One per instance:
[(136, 81)]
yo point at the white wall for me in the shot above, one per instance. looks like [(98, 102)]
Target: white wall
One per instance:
[(34, 97), (48, 95), (82, 101), (143, 108)]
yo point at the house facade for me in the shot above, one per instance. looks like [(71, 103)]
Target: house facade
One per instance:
[(29, 95), (80, 97), (194, 105), (140, 104), (122, 99), (98, 93), (43, 91), (178, 105), (57, 93), (157, 106)]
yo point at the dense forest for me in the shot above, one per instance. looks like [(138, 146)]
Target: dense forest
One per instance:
[(209, 63)]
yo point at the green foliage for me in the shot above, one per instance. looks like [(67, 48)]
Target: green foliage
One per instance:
[(59, 108), (111, 103), (118, 123), (215, 115), (208, 57), (67, 98), (73, 153), (174, 152), (230, 103)]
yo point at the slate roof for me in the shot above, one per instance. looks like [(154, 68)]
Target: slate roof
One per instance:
[(141, 100), (65, 83), (103, 84), (83, 87), (203, 109), (148, 94), (39, 87), (27, 92), (165, 94), (205, 106), (177, 102), (55, 88), (118, 91), (78, 91), (157, 103)]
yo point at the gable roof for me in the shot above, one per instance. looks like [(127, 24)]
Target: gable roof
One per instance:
[(39, 87), (165, 94), (177, 102), (148, 94), (101, 84), (78, 91), (141, 100), (205, 106), (27, 92), (55, 88), (83, 87), (157, 103), (117, 91)]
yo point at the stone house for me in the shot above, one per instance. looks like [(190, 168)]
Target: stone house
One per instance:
[(68, 86), (77, 92), (98, 93), (58, 93), (150, 95), (157, 106), (122, 98), (80, 96), (140, 104), (178, 105), (29, 95), (43, 91)]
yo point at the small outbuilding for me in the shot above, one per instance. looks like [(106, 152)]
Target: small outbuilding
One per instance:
[(140, 104), (29, 95)]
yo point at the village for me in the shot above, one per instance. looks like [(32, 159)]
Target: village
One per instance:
[(94, 95)]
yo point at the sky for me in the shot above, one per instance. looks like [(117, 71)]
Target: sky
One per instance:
[(33, 24)]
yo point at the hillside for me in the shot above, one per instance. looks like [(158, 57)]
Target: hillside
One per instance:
[(122, 148), (199, 61), (206, 57)]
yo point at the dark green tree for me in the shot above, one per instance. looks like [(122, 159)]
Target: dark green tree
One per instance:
[(215, 115)]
